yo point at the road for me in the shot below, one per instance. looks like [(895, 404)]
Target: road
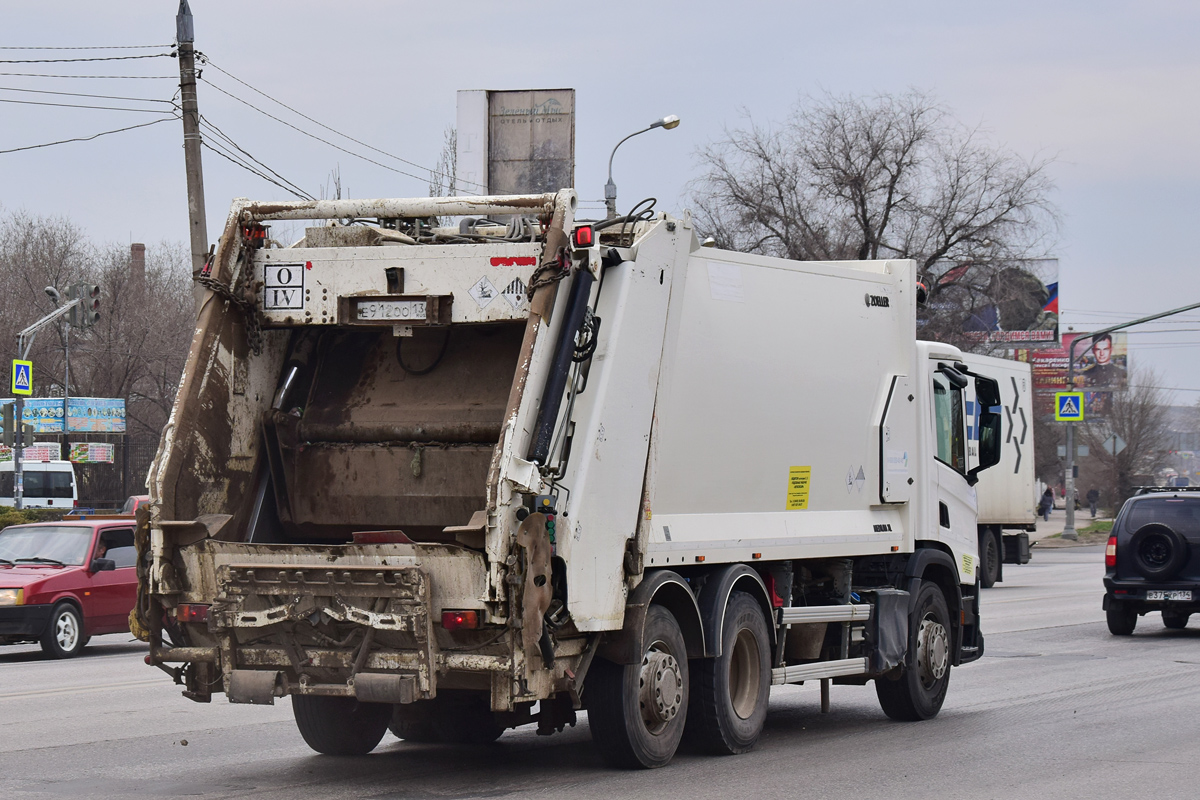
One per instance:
[(1057, 708)]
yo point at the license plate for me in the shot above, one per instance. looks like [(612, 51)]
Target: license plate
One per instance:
[(392, 310), (1159, 594)]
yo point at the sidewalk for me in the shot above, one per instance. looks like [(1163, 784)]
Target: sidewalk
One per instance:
[(1054, 527)]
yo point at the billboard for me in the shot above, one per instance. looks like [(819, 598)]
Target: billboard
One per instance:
[(92, 452), (515, 142), (1101, 368), (90, 414), (1018, 301)]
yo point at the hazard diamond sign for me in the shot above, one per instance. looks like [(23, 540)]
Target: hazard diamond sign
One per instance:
[(22, 377), (1068, 406)]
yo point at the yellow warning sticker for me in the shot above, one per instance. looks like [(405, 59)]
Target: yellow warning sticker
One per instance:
[(968, 564), (797, 492)]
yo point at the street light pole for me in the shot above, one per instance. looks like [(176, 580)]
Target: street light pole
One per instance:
[(1069, 531), (610, 188)]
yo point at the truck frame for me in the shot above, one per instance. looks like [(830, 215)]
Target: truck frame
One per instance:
[(454, 478)]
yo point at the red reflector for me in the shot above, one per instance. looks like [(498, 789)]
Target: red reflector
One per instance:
[(584, 236), (381, 537), (1110, 552), (192, 612), (456, 620)]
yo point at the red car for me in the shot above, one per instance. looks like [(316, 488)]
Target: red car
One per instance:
[(63, 582)]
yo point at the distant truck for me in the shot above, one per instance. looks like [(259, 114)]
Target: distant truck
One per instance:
[(1008, 494), (457, 479)]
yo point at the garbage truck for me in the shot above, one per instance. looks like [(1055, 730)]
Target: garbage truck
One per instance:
[(448, 466), (1007, 495)]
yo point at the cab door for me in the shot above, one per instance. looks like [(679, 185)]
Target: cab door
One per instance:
[(113, 592), (957, 504)]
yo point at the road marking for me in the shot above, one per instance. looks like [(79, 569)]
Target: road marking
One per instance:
[(81, 689)]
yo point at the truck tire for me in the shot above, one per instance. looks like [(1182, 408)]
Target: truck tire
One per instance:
[(464, 718), (1176, 620), (920, 689), (637, 712), (1122, 618), (340, 726), (729, 693), (413, 721), (990, 555), (63, 637)]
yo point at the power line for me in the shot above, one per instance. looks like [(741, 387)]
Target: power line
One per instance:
[(232, 160), (313, 135), (220, 133), (321, 124), (78, 105), (98, 47), (83, 94), (74, 60), (99, 77), (88, 138)]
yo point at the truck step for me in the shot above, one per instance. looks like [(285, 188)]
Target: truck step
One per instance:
[(841, 613), (821, 669)]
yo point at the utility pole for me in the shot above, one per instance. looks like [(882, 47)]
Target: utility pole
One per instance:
[(1069, 530), (186, 36)]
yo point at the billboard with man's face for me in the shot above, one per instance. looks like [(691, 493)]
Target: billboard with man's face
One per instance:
[(1101, 367)]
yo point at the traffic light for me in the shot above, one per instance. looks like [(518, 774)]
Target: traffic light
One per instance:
[(87, 312)]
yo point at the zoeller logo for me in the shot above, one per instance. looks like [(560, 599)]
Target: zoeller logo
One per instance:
[(878, 300)]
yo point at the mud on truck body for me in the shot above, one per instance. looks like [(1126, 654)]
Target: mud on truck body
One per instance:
[(452, 480)]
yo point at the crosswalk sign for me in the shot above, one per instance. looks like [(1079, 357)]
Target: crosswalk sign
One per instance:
[(1068, 406), (22, 377)]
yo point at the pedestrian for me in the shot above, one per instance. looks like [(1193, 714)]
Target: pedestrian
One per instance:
[(1046, 504), (1093, 498)]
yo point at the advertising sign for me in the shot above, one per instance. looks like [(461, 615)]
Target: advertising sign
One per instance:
[(1102, 367), (92, 452), (515, 142), (46, 451), (84, 414), (1022, 301)]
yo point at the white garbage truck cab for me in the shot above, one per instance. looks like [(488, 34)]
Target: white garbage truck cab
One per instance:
[(453, 478)]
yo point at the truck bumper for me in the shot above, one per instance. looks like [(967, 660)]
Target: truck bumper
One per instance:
[(23, 622)]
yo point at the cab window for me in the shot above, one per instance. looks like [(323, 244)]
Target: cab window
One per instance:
[(117, 544), (948, 422)]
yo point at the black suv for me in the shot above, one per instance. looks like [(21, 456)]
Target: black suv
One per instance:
[(1153, 559)]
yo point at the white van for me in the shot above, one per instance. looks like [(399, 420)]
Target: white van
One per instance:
[(48, 484)]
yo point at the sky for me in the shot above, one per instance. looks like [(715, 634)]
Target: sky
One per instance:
[(1109, 90)]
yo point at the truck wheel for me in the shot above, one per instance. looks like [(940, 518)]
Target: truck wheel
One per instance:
[(1121, 618), (920, 690), (340, 726), (413, 721), (1177, 620), (63, 637), (464, 718), (990, 556), (637, 712), (729, 693)]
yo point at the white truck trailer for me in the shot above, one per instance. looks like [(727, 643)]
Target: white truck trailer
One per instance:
[(1007, 494), (453, 480)]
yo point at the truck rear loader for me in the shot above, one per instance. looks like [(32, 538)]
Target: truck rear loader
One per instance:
[(454, 479)]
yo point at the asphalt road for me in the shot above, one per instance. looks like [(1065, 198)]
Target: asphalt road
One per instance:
[(1057, 708)]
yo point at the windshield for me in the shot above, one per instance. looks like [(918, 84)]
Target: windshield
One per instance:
[(64, 544), (1179, 513)]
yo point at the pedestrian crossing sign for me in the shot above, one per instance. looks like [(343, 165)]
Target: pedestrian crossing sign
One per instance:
[(22, 377), (1068, 406)]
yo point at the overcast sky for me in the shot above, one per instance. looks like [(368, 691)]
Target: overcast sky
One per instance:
[(1110, 90)]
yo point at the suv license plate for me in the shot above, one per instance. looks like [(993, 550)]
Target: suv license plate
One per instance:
[(1159, 594)]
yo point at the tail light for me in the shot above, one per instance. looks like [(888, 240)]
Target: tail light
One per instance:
[(1110, 552), (460, 620), (585, 236), (192, 612)]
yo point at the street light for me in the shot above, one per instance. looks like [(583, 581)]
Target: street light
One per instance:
[(610, 188)]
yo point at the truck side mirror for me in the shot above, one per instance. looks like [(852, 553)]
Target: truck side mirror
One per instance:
[(987, 395), (102, 565)]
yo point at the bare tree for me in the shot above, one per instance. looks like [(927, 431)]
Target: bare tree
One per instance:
[(1139, 417), (890, 176), (443, 180)]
